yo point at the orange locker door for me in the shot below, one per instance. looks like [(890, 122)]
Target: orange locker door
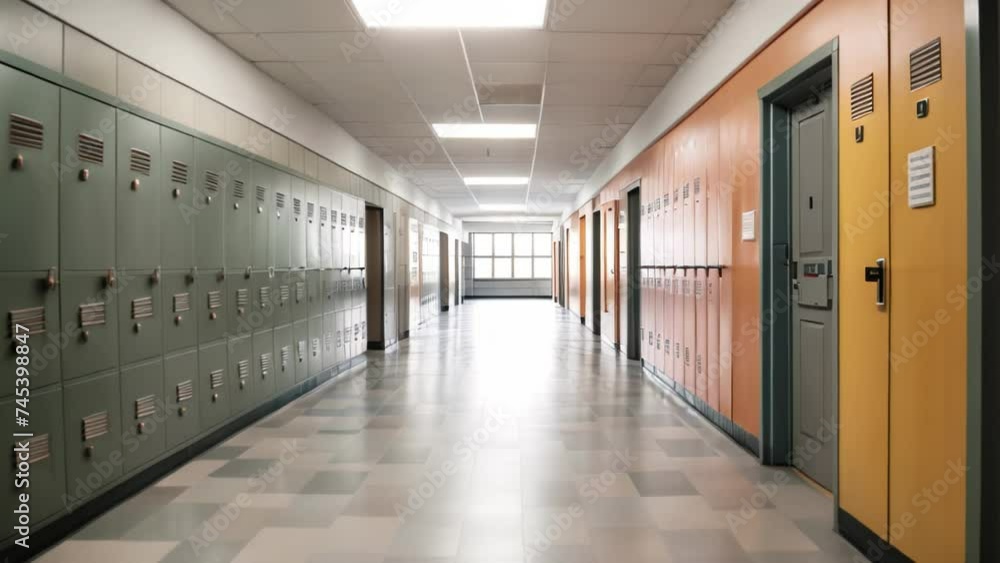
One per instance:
[(667, 308), (701, 333), (712, 330)]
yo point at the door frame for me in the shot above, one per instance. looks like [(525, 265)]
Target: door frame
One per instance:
[(633, 292), (375, 277), (582, 246), (775, 245), (597, 268)]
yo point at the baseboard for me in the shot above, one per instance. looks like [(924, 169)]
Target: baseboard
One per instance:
[(741, 436), (874, 548), (59, 528)]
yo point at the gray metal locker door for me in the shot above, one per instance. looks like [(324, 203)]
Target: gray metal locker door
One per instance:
[(239, 204), (31, 192), (325, 230), (329, 340), (260, 213), (346, 320), (211, 306), (362, 230), (177, 204), (179, 305), (93, 430), (336, 242), (89, 317), (345, 233), (45, 453), (264, 366), (140, 315), (208, 204), (315, 351), (145, 432), (314, 293), (281, 219), (32, 301), (264, 309), (300, 295), (330, 278), (313, 251), (300, 350), (86, 183), (241, 379), (284, 357), (138, 193), (298, 223), (281, 293), (340, 339), (180, 391), (353, 235), (213, 384), (238, 287)]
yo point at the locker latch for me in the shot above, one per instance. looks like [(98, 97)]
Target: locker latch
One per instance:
[(876, 274)]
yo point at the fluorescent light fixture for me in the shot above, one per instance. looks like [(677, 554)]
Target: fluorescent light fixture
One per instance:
[(510, 14), (503, 207), (486, 130), (496, 180)]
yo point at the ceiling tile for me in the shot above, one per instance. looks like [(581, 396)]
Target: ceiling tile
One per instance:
[(508, 73), (586, 115), (492, 196), (286, 73), (505, 113), (589, 72), (656, 75), (388, 129), (341, 46), (374, 113), (486, 150), (506, 46), (206, 16), (522, 169), (635, 16), (585, 94), (604, 47), (642, 95), (249, 46), (700, 16), (296, 16), (675, 49)]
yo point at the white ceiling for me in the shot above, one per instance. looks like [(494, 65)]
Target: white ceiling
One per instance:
[(597, 62)]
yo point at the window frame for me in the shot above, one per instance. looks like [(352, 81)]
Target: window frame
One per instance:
[(513, 256)]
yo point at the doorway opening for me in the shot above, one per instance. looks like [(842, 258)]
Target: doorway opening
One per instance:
[(582, 246), (800, 268), (629, 264), (375, 277)]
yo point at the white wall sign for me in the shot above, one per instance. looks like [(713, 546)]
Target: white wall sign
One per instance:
[(750, 225), (920, 169)]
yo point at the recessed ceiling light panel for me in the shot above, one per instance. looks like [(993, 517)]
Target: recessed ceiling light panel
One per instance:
[(503, 207), (496, 180), (506, 14), (486, 130)]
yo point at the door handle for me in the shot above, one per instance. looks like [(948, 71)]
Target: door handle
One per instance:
[(876, 274)]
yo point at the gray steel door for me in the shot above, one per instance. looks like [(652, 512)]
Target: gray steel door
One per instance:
[(145, 432), (93, 430), (280, 220), (30, 210), (299, 296), (813, 322), (32, 301), (330, 279), (315, 346), (138, 192), (313, 253), (262, 313), (177, 200), (214, 385), (263, 366), (281, 294), (239, 204), (325, 233), (180, 319), (284, 358), (262, 209), (329, 340), (314, 293), (239, 286), (208, 204), (298, 223), (86, 183), (89, 314), (300, 350), (241, 374), (211, 306), (140, 316), (181, 397)]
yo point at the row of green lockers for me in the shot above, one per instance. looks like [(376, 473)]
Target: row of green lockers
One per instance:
[(168, 285)]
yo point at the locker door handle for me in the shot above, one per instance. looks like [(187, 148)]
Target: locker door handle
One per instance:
[(876, 274)]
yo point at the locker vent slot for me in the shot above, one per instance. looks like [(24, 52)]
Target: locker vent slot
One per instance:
[(142, 308), (265, 364), (265, 294), (340, 338), (354, 221), (328, 342), (343, 219), (185, 391), (96, 425), (687, 191), (300, 349), (239, 190), (863, 97), (285, 353), (322, 214), (697, 186), (242, 297), (179, 172), (300, 292), (140, 161), (145, 406), (90, 149), (212, 181), (214, 299), (315, 347), (38, 448), (297, 206), (32, 319), (26, 132), (283, 293), (676, 196), (92, 314), (182, 302), (243, 369), (279, 200), (310, 210), (925, 65), (361, 222), (217, 378), (261, 194)]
